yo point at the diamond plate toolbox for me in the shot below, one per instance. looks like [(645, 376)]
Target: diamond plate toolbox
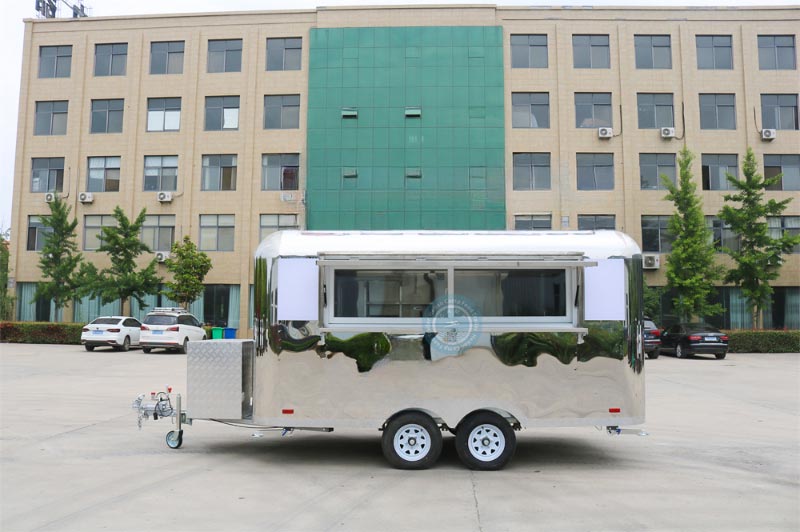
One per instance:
[(219, 379)]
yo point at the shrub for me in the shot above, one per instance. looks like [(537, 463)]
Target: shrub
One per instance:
[(764, 341), (27, 332)]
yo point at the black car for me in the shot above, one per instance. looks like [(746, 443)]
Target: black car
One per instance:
[(652, 338), (686, 339)]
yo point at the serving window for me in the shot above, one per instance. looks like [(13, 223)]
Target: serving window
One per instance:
[(386, 293), (514, 293)]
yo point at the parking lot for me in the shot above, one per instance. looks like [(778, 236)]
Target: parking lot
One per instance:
[(723, 453)]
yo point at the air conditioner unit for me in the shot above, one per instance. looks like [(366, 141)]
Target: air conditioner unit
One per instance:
[(86, 197), (605, 132), (161, 256), (165, 197), (50, 197), (667, 132), (651, 262), (768, 134)]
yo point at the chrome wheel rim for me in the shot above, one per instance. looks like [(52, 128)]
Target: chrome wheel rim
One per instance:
[(486, 442), (412, 442)]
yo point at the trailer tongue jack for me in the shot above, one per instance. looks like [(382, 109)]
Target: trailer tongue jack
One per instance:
[(160, 406)]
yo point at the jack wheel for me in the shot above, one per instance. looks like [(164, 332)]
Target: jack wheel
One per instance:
[(175, 439)]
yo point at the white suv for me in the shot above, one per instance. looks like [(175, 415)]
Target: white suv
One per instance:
[(170, 328)]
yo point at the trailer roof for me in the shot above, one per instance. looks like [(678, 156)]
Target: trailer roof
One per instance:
[(593, 244)]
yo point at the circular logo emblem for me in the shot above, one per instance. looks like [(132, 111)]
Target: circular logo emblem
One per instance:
[(454, 323)]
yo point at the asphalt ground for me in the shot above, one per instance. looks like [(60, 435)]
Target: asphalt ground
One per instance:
[(722, 454)]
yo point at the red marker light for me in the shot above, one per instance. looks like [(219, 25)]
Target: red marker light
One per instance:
[(724, 338), (614, 410), (173, 329), (169, 389), (287, 411), (113, 330), (694, 338), (145, 328)]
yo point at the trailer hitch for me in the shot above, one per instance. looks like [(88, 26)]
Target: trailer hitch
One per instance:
[(617, 431)]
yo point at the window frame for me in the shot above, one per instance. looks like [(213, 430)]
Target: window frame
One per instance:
[(156, 229), (106, 178), (114, 62), (712, 160), (229, 229), (663, 237), (535, 160), (53, 182), (284, 42), (769, 169), (653, 105), (284, 110), (721, 234), (104, 220), (227, 53), (775, 52), (528, 103), (595, 166), (777, 226), (232, 163), (106, 110), (161, 109), (718, 108), (658, 165), (279, 227), (721, 53), (170, 67), (39, 232), (652, 49), (595, 105), (775, 119), (532, 48), (217, 110), (57, 56), (161, 167), (534, 219), (595, 218), (597, 51), (284, 164), (52, 109)]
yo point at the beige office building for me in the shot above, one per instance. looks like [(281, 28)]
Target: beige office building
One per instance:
[(227, 126)]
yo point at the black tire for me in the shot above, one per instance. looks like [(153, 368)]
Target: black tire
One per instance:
[(88, 347), (679, 352), (485, 441), (174, 439), (654, 353), (720, 356), (126, 345), (182, 349), (412, 441), (146, 350)]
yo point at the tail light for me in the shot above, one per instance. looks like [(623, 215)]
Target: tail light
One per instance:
[(695, 338), (85, 329), (113, 330), (174, 328), (145, 328), (655, 332), (724, 338)]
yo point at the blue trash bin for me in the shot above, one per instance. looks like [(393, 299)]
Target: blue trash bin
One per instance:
[(230, 332)]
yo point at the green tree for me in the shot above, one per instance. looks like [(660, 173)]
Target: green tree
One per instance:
[(759, 256), (691, 270), (59, 259), (652, 301), (188, 267), (122, 280), (6, 301)]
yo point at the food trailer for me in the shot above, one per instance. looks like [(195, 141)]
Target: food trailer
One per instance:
[(414, 333)]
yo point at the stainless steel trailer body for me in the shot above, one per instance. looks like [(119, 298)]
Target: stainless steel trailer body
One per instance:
[(416, 332)]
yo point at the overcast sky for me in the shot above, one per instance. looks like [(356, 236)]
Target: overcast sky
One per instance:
[(14, 11)]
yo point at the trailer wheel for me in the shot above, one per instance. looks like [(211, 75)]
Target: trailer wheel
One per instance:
[(485, 441), (412, 441), (174, 439)]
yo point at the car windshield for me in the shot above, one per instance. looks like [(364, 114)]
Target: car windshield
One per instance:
[(701, 327), (160, 319), (649, 325), (106, 321)]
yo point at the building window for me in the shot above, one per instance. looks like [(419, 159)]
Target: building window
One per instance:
[(722, 236), (715, 166), (533, 222), (590, 51), (653, 51), (216, 232), (158, 232), (282, 112), (788, 166), (225, 55), (280, 171), (161, 172), (219, 172), (596, 222), (655, 238), (104, 174), (529, 51), (107, 116), (55, 61), (284, 54), (776, 52), (652, 166), (655, 110), (166, 57), (714, 52), (269, 223), (595, 171), (93, 229), (163, 114), (784, 225), (531, 171), (222, 112), (47, 174), (110, 59), (593, 109), (37, 233), (530, 109), (51, 118), (717, 111), (779, 111)]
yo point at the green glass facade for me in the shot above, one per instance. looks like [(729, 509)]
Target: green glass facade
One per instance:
[(406, 128)]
